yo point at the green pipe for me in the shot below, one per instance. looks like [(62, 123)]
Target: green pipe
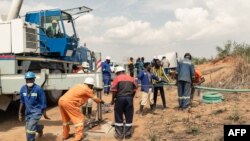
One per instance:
[(222, 90), (216, 89), (211, 89)]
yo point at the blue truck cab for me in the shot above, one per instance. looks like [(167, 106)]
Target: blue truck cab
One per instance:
[(58, 38)]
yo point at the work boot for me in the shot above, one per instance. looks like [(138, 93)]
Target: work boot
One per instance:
[(128, 132), (89, 112), (141, 110), (152, 108), (119, 138), (70, 136), (40, 133), (84, 108), (119, 132)]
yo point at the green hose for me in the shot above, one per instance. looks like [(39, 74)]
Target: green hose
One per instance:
[(216, 89), (212, 97), (211, 89), (222, 90)]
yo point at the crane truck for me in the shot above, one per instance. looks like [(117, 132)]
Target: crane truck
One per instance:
[(27, 45)]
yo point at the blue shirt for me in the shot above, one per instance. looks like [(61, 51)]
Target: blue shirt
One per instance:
[(34, 100), (185, 70), (146, 80), (106, 70)]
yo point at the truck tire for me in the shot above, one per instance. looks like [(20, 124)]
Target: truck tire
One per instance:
[(54, 95)]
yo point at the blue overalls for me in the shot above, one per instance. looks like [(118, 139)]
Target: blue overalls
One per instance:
[(35, 103), (185, 71), (106, 71)]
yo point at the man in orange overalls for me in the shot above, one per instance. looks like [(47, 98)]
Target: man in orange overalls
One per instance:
[(196, 82), (70, 104)]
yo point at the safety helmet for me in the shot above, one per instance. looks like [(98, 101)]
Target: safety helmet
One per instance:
[(119, 69), (54, 21), (85, 65), (29, 75), (108, 58), (89, 80), (187, 54)]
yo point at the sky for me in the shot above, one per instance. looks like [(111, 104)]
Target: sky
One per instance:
[(146, 28)]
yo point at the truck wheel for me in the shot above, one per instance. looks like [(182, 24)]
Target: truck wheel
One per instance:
[(54, 95)]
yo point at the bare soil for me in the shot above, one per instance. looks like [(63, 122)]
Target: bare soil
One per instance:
[(201, 122)]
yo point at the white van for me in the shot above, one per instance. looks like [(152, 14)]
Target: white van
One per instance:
[(113, 64)]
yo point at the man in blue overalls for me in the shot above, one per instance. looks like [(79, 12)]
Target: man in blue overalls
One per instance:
[(106, 71), (185, 76), (33, 98)]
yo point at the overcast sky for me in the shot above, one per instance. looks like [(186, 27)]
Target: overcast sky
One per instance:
[(124, 28)]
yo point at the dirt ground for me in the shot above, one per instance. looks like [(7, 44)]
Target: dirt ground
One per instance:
[(201, 122)]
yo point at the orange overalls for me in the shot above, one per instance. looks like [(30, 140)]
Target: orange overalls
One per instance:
[(197, 75), (70, 104)]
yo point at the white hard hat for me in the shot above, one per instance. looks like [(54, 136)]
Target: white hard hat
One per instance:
[(154, 57), (107, 58), (85, 64), (89, 80), (119, 69)]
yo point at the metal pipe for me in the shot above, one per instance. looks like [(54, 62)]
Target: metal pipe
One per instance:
[(14, 9), (99, 106)]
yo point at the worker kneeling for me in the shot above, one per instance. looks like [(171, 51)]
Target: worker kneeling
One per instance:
[(123, 89), (70, 104)]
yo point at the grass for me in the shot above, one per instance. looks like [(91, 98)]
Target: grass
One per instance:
[(194, 130), (235, 116)]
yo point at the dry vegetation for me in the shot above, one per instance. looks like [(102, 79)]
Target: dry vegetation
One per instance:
[(204, 122)]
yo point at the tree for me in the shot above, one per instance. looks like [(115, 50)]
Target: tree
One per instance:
[(226, 51)]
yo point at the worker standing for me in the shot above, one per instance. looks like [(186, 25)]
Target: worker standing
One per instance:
[(70, 104), (138, 65), (158, 86), (198, 80), (185, 76), (131, 66), (165, 64), (146, 77), (123, 90), (106, 72), (33, 98)]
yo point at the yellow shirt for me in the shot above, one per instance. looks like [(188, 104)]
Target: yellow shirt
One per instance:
[(159, 73)]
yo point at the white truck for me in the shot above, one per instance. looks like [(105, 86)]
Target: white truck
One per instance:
[(172, 58)]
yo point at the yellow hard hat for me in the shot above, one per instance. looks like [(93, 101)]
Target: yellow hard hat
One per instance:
[(54, 21)]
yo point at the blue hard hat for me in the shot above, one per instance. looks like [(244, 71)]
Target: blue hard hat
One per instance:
[(29, 75)]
